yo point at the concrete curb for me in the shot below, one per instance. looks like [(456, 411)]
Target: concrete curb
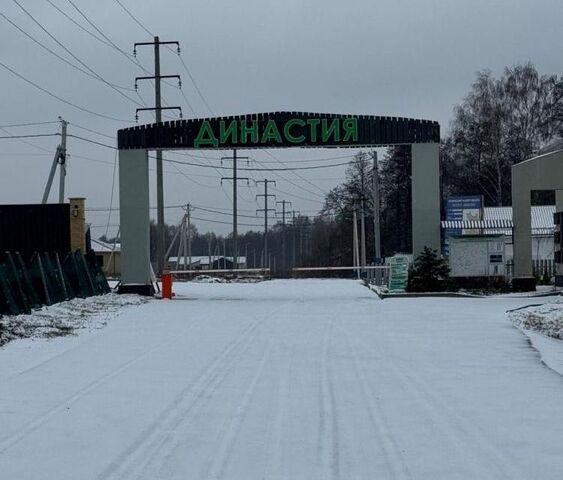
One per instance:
[(383, 296)]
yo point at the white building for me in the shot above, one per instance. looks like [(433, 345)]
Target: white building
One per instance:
[(108, 256), (498, 220)]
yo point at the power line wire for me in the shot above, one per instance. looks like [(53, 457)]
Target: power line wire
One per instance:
[(60, 99), (134, 18), (84, 139), (37, 147), (107, 43), (187, 177), (86, 129), (82, 27), (35, 135), (192, 79), (297, 175), (72, 54), (285, 169), (95, 27), (298, 196), (29, 124), (62, 59)]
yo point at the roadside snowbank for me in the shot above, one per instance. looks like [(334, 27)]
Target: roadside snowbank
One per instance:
[(543, 325), (65, 317), (546, 319)]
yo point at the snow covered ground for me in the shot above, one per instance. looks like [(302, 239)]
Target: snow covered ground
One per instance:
[(296, 379)]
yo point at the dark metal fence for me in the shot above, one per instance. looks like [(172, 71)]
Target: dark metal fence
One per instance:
[(47, 279), (540, 268), (35, 228)]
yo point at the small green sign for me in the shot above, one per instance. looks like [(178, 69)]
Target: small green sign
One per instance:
[(399, 273)]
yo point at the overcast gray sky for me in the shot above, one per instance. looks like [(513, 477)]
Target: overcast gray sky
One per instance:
[(413, 58)]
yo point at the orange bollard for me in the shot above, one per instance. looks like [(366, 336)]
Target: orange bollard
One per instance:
[(166, 279)]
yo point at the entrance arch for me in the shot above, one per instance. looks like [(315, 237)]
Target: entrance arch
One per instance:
[(269, 130)]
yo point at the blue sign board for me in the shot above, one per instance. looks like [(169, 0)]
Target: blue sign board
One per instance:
[(457, 207), (461, 208)]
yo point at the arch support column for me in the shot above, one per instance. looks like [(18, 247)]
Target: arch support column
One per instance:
[(425, 197), (134, 222), (522, 220)]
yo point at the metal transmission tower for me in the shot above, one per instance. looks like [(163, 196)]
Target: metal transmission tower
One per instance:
[(59, 160), (157, 77), (376, 213), (283, 203), (235, 180), (266, 210), (294, 229)]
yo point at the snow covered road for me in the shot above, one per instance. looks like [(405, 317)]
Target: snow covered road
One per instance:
[(297, 379)]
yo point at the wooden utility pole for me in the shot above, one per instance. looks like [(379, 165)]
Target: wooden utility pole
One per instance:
[(157, 77)]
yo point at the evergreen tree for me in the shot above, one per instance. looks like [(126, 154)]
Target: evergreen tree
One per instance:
[(429, 273)]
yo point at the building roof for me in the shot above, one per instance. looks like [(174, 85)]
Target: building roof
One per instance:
[(204, 259), (499, 220), (477, 224), (103, 247)]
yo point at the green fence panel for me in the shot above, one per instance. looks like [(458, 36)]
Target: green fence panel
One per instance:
[(8, 302), (15, 280), (28, 284), (97, 275)]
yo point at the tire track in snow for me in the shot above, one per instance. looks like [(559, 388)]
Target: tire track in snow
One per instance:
[(351, 458), (275, 463), (219, 462), (171, 445), (396, 463), (327, 450), (38, 421), (472, 442), (149, 445)]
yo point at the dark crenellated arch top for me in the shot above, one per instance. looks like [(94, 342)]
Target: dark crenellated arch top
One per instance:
[(280, 130)]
